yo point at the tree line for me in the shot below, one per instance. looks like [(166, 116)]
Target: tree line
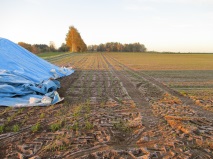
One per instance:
[(75, 43), (41, 48), (117, 47)]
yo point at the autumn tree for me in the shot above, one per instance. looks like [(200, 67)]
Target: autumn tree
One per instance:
[(26, 46), (74, 40)]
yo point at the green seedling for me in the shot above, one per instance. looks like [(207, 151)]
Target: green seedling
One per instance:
[(9, 119), (54, 127), (2, 128), (42, 115), (75, 126), (121, 126), (88, 125), (16, 128), (36, 127)]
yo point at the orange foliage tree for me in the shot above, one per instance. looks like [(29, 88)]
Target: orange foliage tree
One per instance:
[(74, 40), (29, 47)]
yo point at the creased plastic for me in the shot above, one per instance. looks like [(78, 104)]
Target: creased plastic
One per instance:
[(26, 79)]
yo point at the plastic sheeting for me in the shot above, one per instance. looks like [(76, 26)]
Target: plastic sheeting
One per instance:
[(25, 79)]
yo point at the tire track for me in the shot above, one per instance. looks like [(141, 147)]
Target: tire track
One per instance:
[(149, 120), (154, 123), (185, 99)]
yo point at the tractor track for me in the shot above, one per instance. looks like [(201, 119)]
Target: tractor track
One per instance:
[(135, 94), (185, 99)]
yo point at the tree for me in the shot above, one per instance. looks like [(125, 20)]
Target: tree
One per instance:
[(74, 40), (52, 46), (26, 46), (101, 48), (118, 47), (63, 48), (42, 47), (35, 50)]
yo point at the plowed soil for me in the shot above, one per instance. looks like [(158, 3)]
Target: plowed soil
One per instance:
[(110, 110)]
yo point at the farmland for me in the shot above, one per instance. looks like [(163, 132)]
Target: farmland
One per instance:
[(119, 105)]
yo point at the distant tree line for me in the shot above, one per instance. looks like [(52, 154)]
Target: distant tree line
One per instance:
[(117, 47), (75, 43), (41, 48)]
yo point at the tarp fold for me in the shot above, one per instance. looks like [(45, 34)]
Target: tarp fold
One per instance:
[(26, 79)]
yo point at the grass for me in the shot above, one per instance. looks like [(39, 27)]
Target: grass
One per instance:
[(75, 126), (2, 127), (157, 61), (36, 127), (54, 127), (88, 125), (121, 126), (141, 61), (42, 115), (185, 81), (50, 54), (182, 75), (16, 128)]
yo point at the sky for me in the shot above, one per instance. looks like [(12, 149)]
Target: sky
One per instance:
[(161, 25)]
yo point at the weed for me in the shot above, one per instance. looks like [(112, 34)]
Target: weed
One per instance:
[(42, 115), (88, 125), (36, 127), (119, 100), (87, 109), (76, 114), (16, 128), (20, 111), (77, 111), (55, 126), (2, 128), (75, 126), (121, 126), (87, 102), (25, 119), (68, 127), (9, 119), (62, 147)]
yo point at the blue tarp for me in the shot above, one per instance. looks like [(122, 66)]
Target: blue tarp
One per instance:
[(25, 79)]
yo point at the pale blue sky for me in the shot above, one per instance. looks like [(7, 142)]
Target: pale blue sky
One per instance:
[(161, 25)]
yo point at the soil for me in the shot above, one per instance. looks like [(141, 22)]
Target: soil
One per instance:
[(109, 111)]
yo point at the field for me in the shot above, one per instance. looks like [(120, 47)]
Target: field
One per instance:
[(119, 105)]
